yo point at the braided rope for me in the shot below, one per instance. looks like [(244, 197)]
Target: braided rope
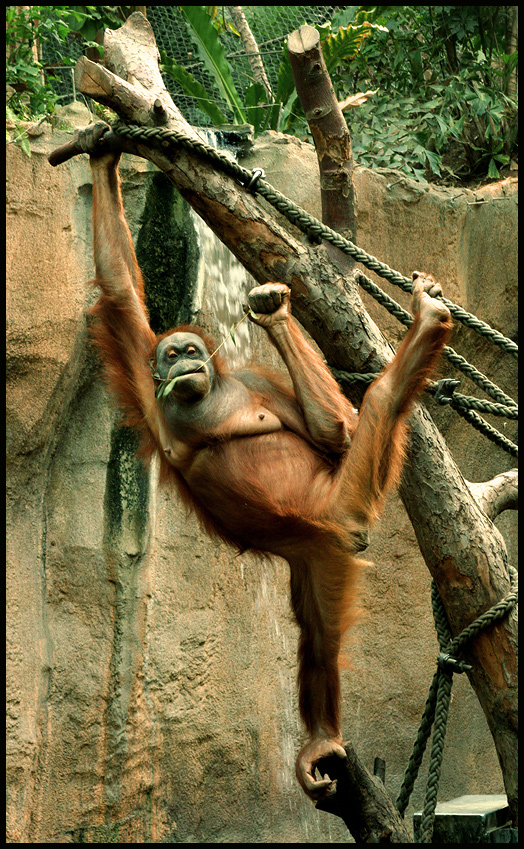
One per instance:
[(477, 377), (444, 685), (469, 402), (506, 404), (307, 223), (428, 717), (490, 617), (455, 359), (485, 428), (437, 704), (352, 378), (315, 228), (419, 746), (458, 401)]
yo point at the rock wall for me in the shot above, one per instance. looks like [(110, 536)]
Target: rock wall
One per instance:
[(151, 672)]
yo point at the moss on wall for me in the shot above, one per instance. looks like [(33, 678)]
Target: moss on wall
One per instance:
[(167, 252), (127, 486)]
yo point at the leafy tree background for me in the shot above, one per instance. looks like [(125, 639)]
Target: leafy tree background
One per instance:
[(445, 77), (447, 96)]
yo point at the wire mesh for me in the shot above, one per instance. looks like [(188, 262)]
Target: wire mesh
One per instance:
[(270, 26)]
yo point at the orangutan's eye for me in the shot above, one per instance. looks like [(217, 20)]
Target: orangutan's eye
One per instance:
[(171, 353), (191, 349)]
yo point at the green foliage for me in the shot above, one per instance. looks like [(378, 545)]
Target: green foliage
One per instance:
[(284, 111), (30, 83), (461, 130), (340, 46), (192, 87), (20, 137), (442, 110), (445, 106), (28, 93), (214, 58)]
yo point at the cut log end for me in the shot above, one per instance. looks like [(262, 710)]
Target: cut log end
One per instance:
[(303, 39)]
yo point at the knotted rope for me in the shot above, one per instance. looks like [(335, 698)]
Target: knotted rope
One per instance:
[(437, 703)]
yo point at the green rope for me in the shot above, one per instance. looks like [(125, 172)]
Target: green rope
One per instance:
[(483, 426), (462, 404), (457, 399), (307, 223), (468, 402), (455, 359), (459, 403), (444, 685), (437, 704)]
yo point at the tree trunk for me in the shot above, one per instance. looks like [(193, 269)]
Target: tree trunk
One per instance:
[(463, 550), (362, 802), (251, 48), (512, 45), (330, 134), (447, 559)]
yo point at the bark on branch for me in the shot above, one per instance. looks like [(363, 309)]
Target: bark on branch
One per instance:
[(330, 134), (463, 550), (448, 561), (362, 802), (499, 494), (434, 493)]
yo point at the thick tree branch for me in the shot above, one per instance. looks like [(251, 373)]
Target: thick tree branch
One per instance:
[(362, 802), (499, 494), (97, 82), (464, 552), (330, 134)]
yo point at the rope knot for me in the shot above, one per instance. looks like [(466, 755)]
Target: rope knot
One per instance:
[(452, 664), (444, 390)]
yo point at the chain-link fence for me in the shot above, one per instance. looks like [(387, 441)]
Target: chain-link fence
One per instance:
[(270, 26)]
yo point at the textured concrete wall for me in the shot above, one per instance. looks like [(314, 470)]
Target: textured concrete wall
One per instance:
[(151, 692)]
